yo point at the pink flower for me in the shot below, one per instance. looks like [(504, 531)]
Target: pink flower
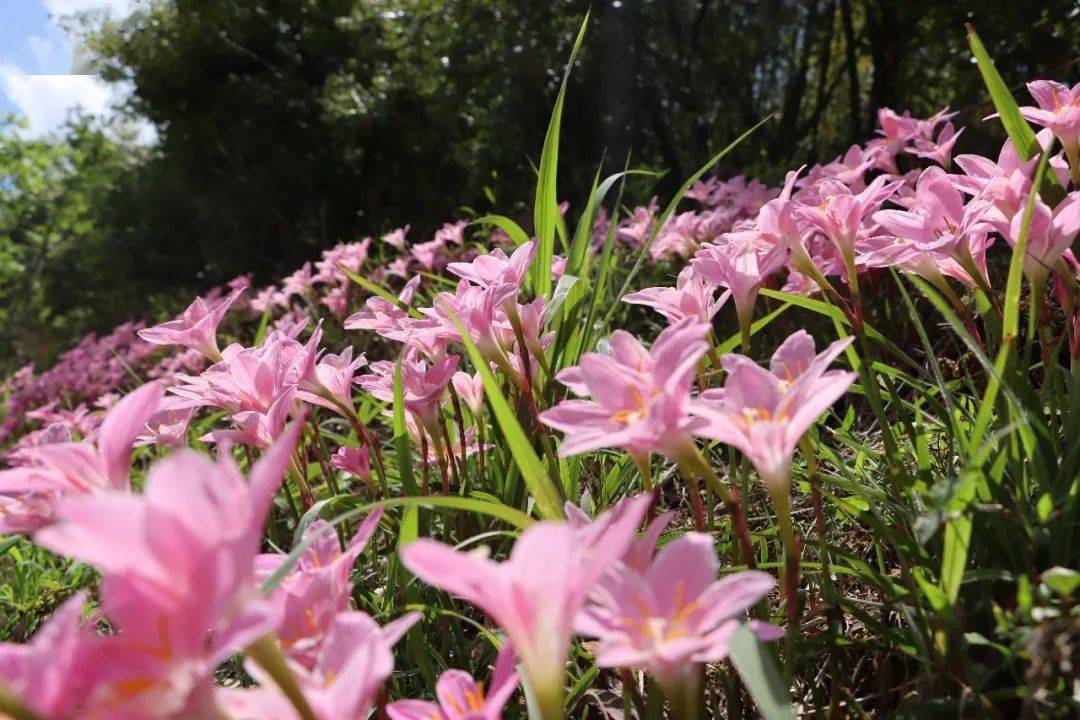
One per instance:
[(1049, 235), (316, 589), (673, 614), (940, 150), (383, 316), (267, 299), (398, 267), (536, 593), (1005, 183), (898, 130), (351, 256), (839, 213), (355, 461), (423, 386), (764, 413), (177, 567), (452, 233), (742, 269), (300, 283), (29, 494), (496, 268), (911, 257), (431, 255), (168, 426), (634, 230), (692, 297), (1058, 110), (250, 379), (463, 698), (255, 428), (641, 397), (939, 221), (196, 327), (336, 300), (396, 238), (51, 674), (851, 168), (356, 657), (470, 388), (679, 237), (483, 314), (328, 382)]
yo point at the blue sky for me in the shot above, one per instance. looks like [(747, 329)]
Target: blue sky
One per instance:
[(36, 78)]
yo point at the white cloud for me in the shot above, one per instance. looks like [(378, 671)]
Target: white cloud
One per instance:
[(47, 100), (116, 8)]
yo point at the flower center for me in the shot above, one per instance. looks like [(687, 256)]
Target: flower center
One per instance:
[(636, 414), (474, 701)]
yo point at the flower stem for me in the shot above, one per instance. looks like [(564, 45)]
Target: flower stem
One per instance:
[(684, 694), (11, 707), (267, 655)]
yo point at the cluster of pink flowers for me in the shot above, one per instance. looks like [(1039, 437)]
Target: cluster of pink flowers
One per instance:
[(181, 561)]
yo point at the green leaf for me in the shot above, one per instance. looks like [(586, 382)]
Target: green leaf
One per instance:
[(402, 451), (508, 226), (380, 291), (562, 290), (732, 342), (1061, 580), (546, 493), (546, 204), (1016, 126), (957, 538), (662, 220), (577, 260), (260, 333), (759, 673), (507, 514)]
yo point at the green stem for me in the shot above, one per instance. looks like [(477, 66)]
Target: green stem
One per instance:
[(645, 468), (267, 655), (11, 707), (684, 694)]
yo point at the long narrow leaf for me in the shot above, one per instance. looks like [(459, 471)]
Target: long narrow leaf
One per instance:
[(546, 205), (507, 514), (402, 451), (759, 673), (380, 291), (508, 226), (662, 220), (1016, 126), (544, 491)]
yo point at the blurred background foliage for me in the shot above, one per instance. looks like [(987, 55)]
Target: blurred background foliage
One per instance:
[(287, 126)]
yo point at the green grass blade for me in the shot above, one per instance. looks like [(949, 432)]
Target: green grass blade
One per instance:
[(1016, 126), (546, 206), (958, 530), (264, 321), (380, 291), (546, 493), (578, 258), (759, 673), (508, 226), (402, 451), (499, 511), (662, 220)]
